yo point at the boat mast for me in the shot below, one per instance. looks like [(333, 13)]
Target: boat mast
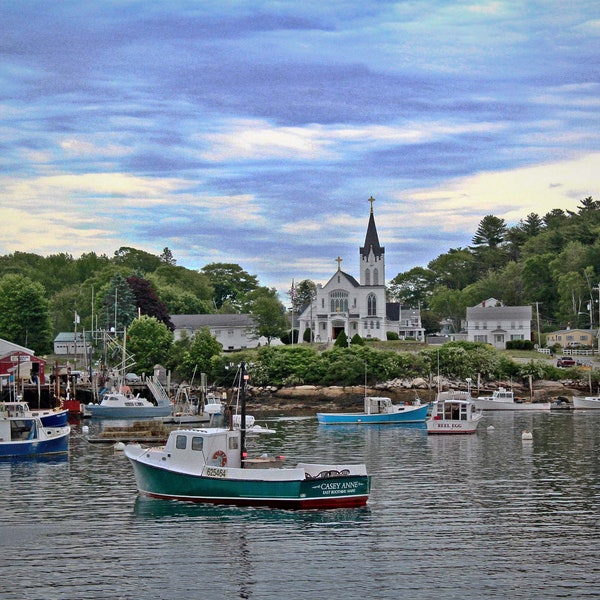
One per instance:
[(243, 378)]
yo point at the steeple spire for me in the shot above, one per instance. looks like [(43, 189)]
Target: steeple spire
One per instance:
[(372, 255), (372, 239)]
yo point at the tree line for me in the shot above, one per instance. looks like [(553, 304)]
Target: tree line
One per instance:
[(551, 261)]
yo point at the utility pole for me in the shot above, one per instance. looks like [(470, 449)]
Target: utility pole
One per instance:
[(539, 335), (591, 309)]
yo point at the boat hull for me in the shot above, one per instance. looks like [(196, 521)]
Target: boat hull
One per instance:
[(481, 404), (118, 412), (451, 427), (57, 444), (410, 415), (590, 403), (221, 488), (57, 418)]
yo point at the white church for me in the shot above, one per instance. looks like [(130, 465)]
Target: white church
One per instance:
[(345, 304)]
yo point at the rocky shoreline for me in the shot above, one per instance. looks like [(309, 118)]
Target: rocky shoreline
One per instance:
[(307, 397)]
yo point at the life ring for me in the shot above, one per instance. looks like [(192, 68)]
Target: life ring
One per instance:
[(219, 454)]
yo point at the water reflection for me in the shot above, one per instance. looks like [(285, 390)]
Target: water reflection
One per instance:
[(168, 510), (464, 517)]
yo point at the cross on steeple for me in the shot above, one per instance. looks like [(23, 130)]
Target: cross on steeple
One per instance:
[(339, 262), (371, 200)]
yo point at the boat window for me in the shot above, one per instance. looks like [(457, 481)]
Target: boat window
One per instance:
[(180, 442), (233, 443), (197, 443)]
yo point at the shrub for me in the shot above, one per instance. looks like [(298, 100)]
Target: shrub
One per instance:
[(519, 345)]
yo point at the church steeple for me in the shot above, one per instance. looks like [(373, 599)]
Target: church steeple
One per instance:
[(372, 255)]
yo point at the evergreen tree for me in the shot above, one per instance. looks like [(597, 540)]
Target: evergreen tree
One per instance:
[(118, 305)]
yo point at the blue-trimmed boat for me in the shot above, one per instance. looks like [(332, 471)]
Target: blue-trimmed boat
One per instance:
[(378, 410), (211, 466), (24, 437)]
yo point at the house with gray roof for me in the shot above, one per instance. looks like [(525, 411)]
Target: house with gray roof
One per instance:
[(232, 331), (492, 323)]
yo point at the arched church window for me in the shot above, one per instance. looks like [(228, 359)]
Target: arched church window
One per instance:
[(375, 276), (338, 301), (371, 305), (368, 277)]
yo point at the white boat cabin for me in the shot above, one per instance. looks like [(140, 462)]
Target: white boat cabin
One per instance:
[(17, 430), (212, 447), (377, 405), (453, 406)]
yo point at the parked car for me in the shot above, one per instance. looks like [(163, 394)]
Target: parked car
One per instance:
[(132, 378), (578, 346), (565, 361)]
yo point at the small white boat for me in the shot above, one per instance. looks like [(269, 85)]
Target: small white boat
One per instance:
[(453, 413), (124, 405), (503, 399), (213, 405), (587, 402)]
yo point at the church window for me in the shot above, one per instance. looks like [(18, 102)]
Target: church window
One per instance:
[(371, 305), (368, 277), (375, 277), (338, 300)]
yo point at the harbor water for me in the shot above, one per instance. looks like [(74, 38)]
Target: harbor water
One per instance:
[(478, 516)]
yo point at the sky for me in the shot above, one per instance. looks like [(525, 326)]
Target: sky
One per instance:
[(255, 132)]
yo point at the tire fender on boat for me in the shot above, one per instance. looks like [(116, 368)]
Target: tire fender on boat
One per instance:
[(219, 454)]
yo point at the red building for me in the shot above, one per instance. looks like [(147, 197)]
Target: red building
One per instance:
[(21, 365)]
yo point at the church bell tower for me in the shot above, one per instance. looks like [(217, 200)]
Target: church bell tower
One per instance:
[(372, 255)]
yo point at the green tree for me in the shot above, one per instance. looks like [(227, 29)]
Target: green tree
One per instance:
[(449, 304), (230, 282), (341, 341), (268, 314), (118, 304), (136, 260), (413, 287), (304, 294), (167, 257), (455, 269), (67, 302), (491, 232), (149, 341), (24, 313), (203, 346)]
